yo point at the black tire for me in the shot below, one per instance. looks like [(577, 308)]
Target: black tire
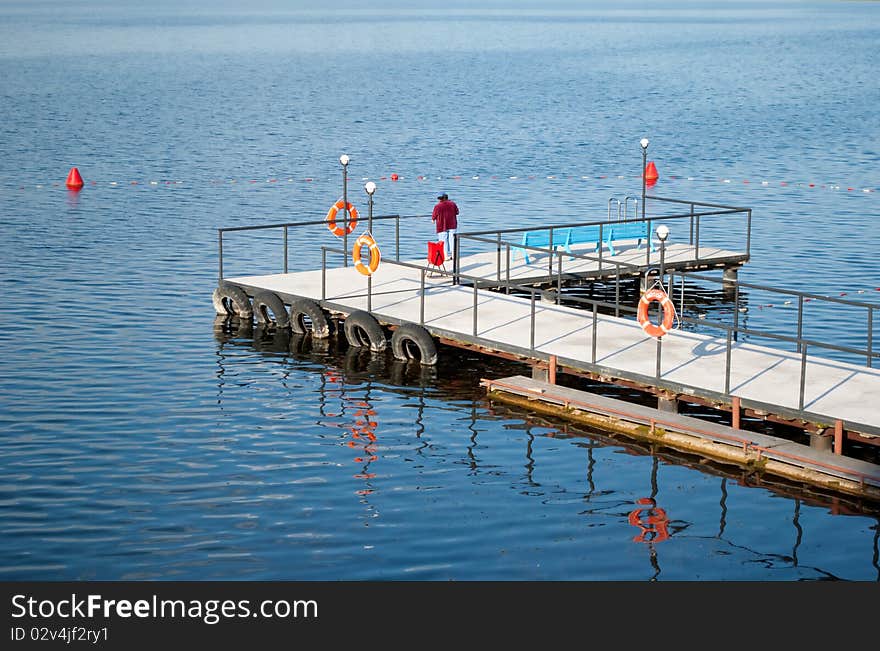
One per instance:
[(306, 317), (231, 299), (269, 309), (413, 342), (363, 331)]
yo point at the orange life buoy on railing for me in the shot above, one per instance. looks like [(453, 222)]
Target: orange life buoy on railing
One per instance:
[(339, 231), (655, 294), (366, 240)]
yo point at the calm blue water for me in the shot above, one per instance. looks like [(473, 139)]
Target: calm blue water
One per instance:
[(139, 441)]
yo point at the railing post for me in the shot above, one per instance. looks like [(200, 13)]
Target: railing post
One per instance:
[(397, 239), (455, 267), (735, 309), (285, 249), (803, 376), (532, 327), (749, 233), (550, 257), (559, 278), (697, 238), (422, 301), (617, 291), (498, 254), (220, 250), (475, 307), (345, 245), (870, 336), (601, 240), (507, 270), (727, 362), (800, 325), (369, 293), (323, 273), (659, 354), (595, 324), (691, 235)]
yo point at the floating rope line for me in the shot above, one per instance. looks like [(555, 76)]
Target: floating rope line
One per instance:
[(422, 178)]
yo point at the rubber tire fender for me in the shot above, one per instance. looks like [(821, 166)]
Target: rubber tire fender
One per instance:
[(410, 335), (231, 299), (301, 307), (362, 330), (268, 305)]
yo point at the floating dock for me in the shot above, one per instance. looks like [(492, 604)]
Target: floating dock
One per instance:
[(492, 301)]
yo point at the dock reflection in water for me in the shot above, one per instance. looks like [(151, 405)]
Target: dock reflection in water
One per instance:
[(357, 393)]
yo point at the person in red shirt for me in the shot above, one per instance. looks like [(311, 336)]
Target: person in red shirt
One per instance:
[(445, 218)]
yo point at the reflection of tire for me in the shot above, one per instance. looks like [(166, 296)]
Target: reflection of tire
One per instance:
[(269, 308), (306, 317), (363, 331), (276, 340), (231, 299), (303, 345), (411, 373), (411, 341)]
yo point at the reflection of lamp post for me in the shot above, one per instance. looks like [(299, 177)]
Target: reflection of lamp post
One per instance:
[(345, 160), (662, 234), (370, 189), (644, 143)]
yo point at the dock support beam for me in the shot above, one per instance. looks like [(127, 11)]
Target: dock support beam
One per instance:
[(730, 274), (540, 372), (668, 403), (838, 437), (735, 410), (545, 371), (820, 440)]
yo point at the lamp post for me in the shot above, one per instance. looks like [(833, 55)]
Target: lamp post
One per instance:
[(644, 143), (662, 233), (370, 189), (345, 160)]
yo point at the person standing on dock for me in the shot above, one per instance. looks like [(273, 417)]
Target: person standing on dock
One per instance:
[(445, 218)]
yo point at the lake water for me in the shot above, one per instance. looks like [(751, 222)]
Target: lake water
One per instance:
[(139, 441)]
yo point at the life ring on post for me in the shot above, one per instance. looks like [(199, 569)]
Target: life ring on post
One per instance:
[(655, 294), (366, 240), (339, 231)]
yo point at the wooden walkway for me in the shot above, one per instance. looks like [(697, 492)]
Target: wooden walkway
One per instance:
[(765, 379)]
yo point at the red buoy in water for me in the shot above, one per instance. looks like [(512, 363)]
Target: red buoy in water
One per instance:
[(651, 175), (394, 177), (74, 180)]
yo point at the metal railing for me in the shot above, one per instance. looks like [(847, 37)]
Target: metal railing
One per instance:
[(286, 226), (727, 332), (693, 217)]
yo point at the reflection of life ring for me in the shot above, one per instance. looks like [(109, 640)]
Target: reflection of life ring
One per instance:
[(338, 231), (654, 528), (648, 297), (366, 240)]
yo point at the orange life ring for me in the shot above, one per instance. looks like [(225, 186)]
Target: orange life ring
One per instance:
[(338, 231), (366, 240), (649, 297)]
